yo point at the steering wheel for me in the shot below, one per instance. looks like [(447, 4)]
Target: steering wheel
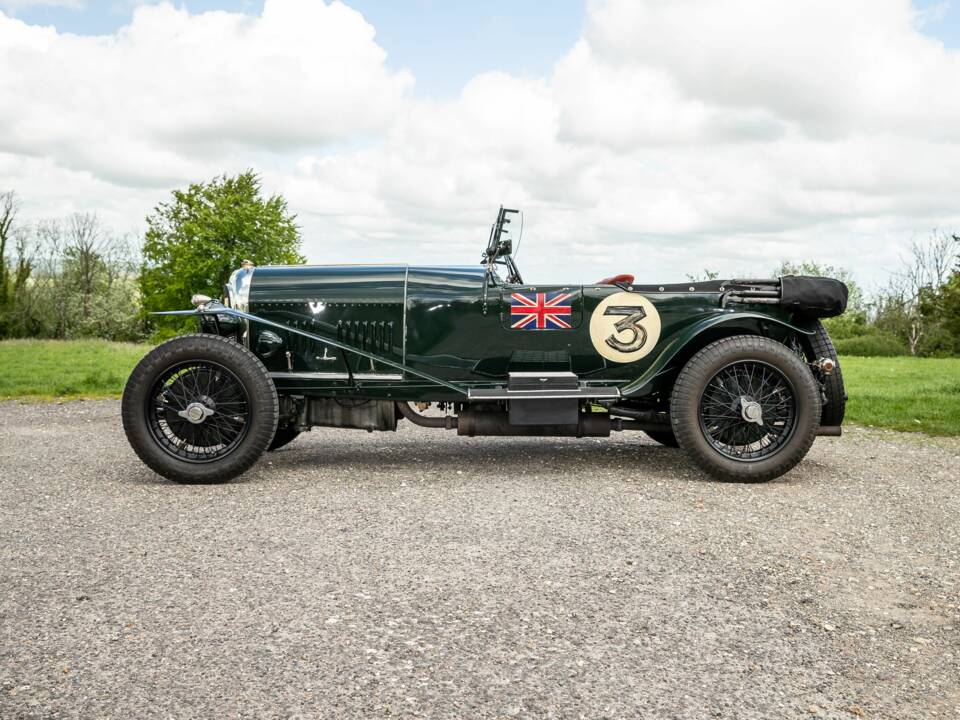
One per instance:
[(499, 251)]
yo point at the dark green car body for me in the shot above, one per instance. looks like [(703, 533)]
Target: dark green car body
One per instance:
[(454, 324)]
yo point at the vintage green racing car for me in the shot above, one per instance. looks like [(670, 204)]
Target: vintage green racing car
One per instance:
[(738, 373)]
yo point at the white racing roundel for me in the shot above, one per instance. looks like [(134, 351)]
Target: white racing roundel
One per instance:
[(625, 327)]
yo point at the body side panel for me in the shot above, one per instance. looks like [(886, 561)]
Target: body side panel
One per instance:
[(454, 323)]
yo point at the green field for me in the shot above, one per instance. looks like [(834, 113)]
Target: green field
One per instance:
[(901, 393), (904, 393), (46, 369)]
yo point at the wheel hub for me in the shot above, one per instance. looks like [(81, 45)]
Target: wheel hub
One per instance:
[(748, 410), (198, 411), (751, 411), (195, 412)]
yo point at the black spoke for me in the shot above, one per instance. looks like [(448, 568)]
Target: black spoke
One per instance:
[(722, 414), (210, 387)]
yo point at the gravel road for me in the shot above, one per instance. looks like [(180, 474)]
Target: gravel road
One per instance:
[(421, 574)]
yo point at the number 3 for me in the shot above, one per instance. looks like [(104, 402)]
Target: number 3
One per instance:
[(629, 324)]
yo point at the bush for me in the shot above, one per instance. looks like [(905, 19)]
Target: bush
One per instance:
[(849, 325), (938, 343), (873, 344), (74, 280)]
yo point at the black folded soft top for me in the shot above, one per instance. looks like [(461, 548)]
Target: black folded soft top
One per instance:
[(813, 296)]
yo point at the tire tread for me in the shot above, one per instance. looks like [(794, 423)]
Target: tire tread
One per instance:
[(821, 345)]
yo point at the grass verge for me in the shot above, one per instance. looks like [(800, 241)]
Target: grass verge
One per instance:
[(47, 369), (900, 393), (904, 393)]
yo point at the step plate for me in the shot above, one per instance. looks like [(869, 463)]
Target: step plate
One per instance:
[(542, 381), (541, 394)]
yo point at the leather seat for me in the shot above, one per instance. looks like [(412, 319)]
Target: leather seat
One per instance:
[(617, 279)]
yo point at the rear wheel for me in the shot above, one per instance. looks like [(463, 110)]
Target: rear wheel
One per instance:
[(199, 408), (835, 396), (664, 437), (745, 408)]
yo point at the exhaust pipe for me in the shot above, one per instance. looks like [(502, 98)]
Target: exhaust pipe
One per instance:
[(642, 419), (476, 424), (447, 422), (471, 423)]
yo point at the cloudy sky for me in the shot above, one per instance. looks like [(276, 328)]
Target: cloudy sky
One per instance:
[(643, 136)]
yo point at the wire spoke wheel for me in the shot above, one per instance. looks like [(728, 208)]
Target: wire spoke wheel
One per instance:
[(198, 411), (748, 410), (745, 408)]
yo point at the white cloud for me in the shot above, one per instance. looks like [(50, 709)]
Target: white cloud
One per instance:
[(170, 92), (17, 5), (833, 68), (671, 137)]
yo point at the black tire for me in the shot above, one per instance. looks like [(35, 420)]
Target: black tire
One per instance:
[(795, 390), (664, 437), (835, 396), (284, 436), (171, 377)]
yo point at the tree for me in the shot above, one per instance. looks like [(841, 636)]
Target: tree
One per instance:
[(950, 308), (939, 307), (8, 234), (908, 306), (14, 272), (76, 279), (194, 242), (93, 260)]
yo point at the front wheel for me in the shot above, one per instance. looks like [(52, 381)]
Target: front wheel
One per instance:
[(745, 408), (284, 436), (199, 408)]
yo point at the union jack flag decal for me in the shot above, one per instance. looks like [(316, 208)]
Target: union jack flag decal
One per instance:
[(541, 311)]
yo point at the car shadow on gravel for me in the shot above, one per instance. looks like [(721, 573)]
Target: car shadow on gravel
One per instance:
[(501, 456), (516, 457), (436, 459)]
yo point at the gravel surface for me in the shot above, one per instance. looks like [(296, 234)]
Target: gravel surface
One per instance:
[(421, 574)]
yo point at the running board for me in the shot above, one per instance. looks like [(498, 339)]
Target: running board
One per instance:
[(582, 393), (544, 385)]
